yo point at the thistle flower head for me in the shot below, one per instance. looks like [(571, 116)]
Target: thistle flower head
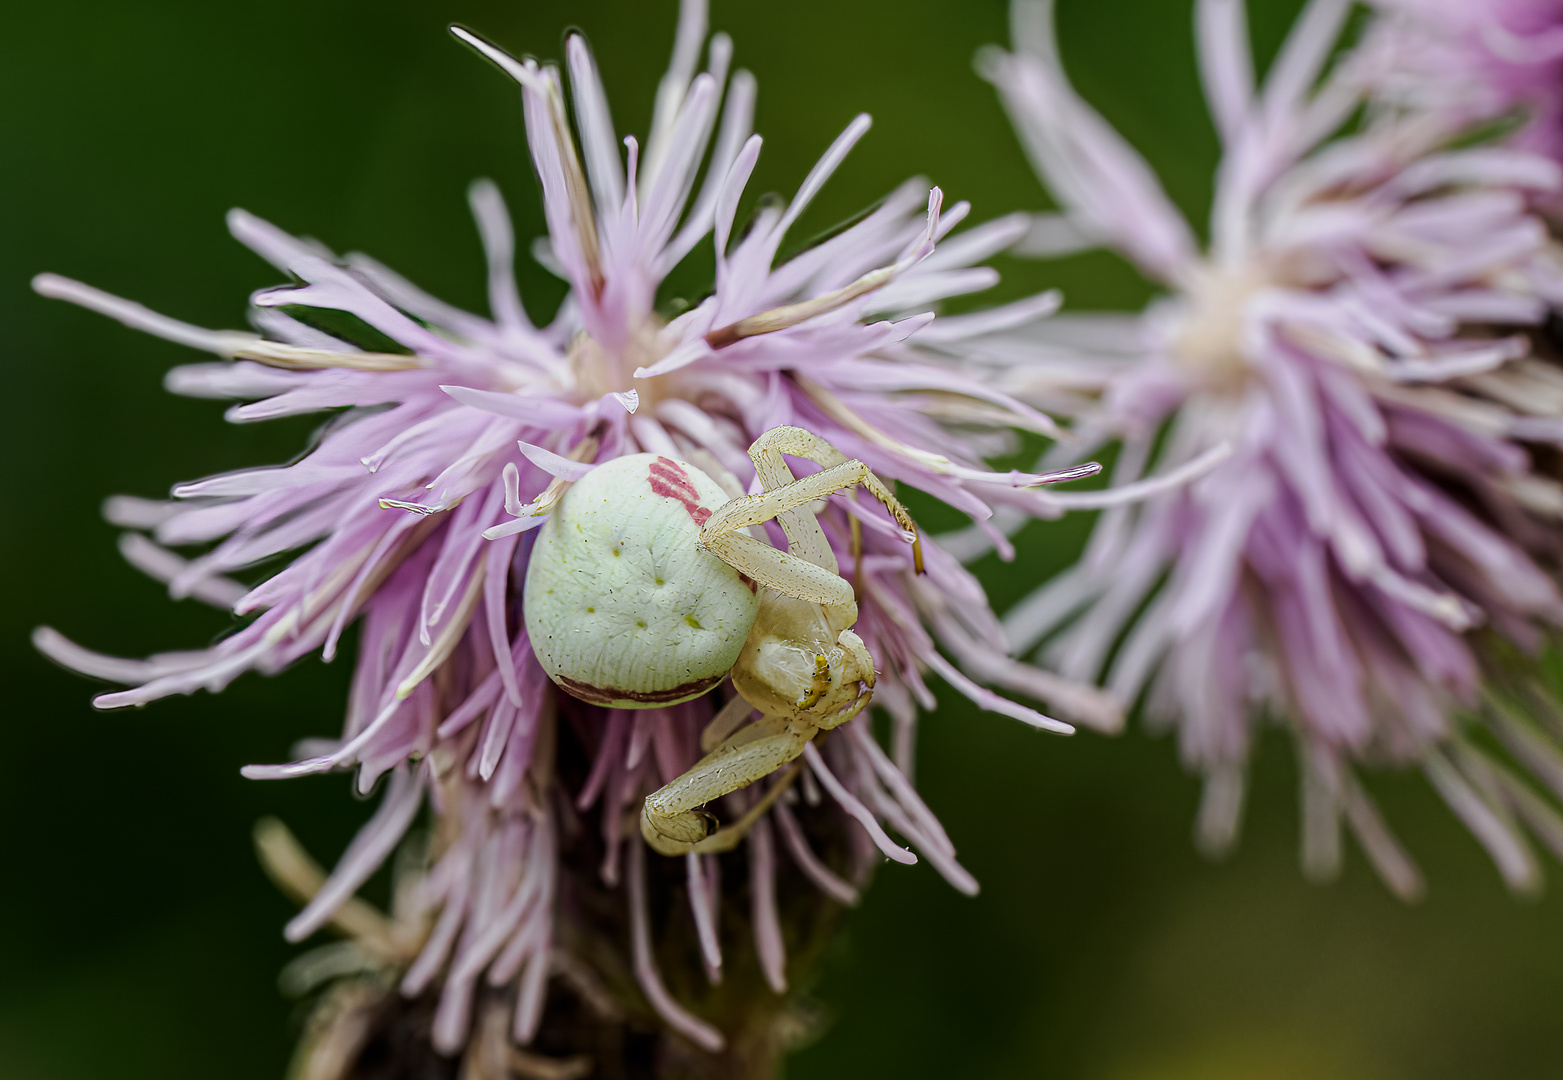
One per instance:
[(412, 517), (1356, 329)]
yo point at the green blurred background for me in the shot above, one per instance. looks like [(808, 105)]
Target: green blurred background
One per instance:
[(140, 939)]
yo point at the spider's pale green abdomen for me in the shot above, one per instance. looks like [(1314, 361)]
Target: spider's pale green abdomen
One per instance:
[(622, 605)]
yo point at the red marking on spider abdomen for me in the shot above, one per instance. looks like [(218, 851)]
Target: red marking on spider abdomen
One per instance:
[(669, 480)]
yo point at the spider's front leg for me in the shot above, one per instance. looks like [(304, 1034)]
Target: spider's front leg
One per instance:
[(801, 665), (671, 819), (806, 677), (807, 570)]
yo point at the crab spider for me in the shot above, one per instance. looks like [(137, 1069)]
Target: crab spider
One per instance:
[(646, 588)]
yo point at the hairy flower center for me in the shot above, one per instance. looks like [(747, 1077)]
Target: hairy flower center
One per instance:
[(599, 369), (1207, 340)]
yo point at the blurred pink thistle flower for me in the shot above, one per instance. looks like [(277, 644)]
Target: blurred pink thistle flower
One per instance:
[(1468, 63), (1356, 330)]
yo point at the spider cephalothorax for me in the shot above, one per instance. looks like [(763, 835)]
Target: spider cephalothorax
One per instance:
[(646, 588)]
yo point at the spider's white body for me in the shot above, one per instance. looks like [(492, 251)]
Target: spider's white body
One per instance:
[(645, 589), (623, 606)]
